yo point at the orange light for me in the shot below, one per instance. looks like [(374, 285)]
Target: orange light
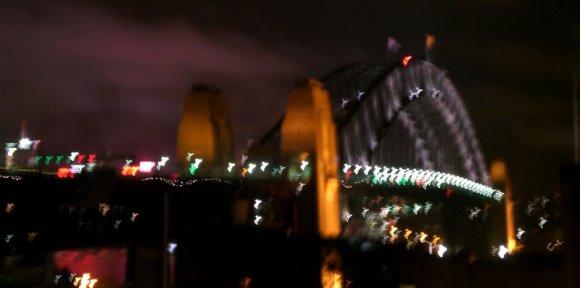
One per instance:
[(435, 239), (86, 281), (406, 60), (129, 170), (331, 279), (63, 172)]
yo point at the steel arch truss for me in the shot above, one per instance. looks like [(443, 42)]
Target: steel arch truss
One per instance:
[(406, 116)]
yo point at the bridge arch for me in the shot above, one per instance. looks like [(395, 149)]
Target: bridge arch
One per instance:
[(404, 115)]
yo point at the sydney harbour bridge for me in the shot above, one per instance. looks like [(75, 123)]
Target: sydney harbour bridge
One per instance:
[(372, 155)]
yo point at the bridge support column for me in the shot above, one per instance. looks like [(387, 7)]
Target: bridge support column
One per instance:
[(308, 129), (499, 176), (205, 130)]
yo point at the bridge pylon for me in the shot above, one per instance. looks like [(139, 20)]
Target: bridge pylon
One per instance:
[(204, 130), (309, 134), (500, 177)]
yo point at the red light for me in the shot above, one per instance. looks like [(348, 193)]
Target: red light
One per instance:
[(449, 192), (92, 158), (348, 175), (80, 158), (406, 60)]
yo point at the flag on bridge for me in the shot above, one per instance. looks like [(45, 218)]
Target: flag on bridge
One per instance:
[(393, 45), (429, 42)]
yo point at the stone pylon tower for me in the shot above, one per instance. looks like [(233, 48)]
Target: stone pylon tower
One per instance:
[(308, 134), (499, 177), (205, 130)]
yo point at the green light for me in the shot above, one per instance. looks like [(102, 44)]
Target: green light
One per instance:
[(47, 159), (37, 159), (192, 168), (405, 178)]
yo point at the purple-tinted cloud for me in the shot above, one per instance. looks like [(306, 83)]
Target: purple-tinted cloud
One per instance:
[(86, 79)]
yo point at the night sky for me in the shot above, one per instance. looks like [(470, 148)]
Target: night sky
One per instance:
[(112, 75)]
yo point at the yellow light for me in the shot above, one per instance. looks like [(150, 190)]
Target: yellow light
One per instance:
[(331, 279), (85, 281), (422, 237), (435, 239), (407, 233), (392, 232)]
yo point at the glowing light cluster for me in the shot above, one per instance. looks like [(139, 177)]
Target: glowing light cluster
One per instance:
[(76, 168), (73, 157), (146, 166), (194, 166), (85, 281), (129, 170), (426, 179), (551, 245), (179, 183), (10, 151), (16, 178), (502, 251), (406, 60), (542, 222), (171, 247), (398, 210), (162, 162), (9, 208), (64, 172), (419, 238), (300, 187), (442, 249), (474, 212), (251, 167), (346, 215), (520, 233), (25, 143), (278, 171), (258, 219), (415, 93)]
